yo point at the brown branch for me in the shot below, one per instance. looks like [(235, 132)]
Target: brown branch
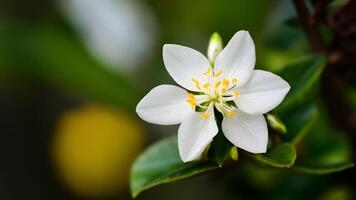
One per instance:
[(310, 26), (319, 10), (333, 88)]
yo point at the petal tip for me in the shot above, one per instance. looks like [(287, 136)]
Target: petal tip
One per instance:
[(245, 32), (258, 150), (167, 47), (185, 158)]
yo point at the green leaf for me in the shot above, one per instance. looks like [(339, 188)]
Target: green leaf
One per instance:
[(282, 156), (220, 149), (54, 55), (332, 149), (302, 77), (322, 170), (298, 120), (292, 22), (324, 149), (160, 163)]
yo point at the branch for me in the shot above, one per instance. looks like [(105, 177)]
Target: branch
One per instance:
[(310, 26)]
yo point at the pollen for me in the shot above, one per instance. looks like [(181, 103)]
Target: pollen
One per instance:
[(217, 74), (225, 82), (217, 84), (236, 93), (206, 85), (223, 90), (193, 103), (231, 113), (191, 100), (204, 116), (197, 85), (234, 81), (190, 96), (207, 72)]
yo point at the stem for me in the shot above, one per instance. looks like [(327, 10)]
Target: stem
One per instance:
[(319, 9), (332, 87), (310, 27)]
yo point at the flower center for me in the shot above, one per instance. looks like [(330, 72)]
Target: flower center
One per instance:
[(215, 92)]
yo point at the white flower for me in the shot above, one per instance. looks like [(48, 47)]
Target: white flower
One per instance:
[(240, 93)]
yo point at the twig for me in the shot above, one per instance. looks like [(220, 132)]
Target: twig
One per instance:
[(309, 26)]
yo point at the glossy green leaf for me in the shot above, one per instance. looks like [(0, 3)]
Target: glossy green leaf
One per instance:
[(324, 150), (160, 163), (322, 170), (298, 120), (302, 77), (282, 156)]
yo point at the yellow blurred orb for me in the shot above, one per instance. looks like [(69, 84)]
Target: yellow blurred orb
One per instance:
[(93, 149)]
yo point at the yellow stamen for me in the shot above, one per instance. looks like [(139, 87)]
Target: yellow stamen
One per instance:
[(234, 81), (207, 72), (225, 82), (223, 90), (206, 85), (217, 74), (231, 113), (236, 93), (192, 102), (196, 83), (204, 116), (190, 96), (217, 84)]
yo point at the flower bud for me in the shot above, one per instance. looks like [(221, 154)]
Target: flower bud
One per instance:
[(215, 46), (234, 153), (276, 123)]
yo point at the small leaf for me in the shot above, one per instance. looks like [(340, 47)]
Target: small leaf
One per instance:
[(160, 163), (220, 149), (282, 156), (322, 170), (298, 120), (301, 76)]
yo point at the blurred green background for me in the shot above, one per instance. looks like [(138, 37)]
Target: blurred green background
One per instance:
[(72, 72)]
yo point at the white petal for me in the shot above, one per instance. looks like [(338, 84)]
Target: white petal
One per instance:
[(248, 132), (237, 59), (194, 134), (165, 105), (184, 64), (262, 93)]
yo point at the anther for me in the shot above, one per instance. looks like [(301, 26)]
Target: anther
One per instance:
[(206, 85), (234, 81), (217, 74), (204, 115), (191, 100), (217, 84), (207, 72), (223, 90), (231, 113), (225, 82), (196, 83)]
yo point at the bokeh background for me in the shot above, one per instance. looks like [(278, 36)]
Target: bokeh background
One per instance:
[(72, 72)]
